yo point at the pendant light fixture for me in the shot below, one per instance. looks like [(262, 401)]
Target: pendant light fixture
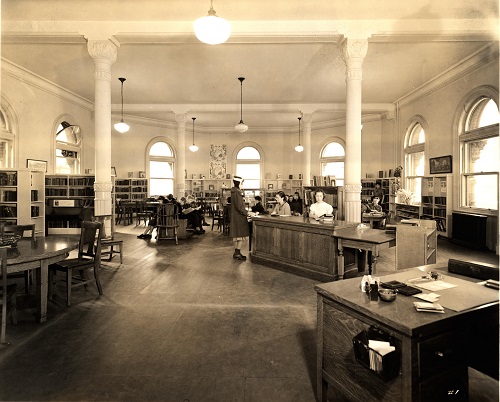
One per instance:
[(121, 126), (212, 29), (241, 127), (193, 148), (299, 148)]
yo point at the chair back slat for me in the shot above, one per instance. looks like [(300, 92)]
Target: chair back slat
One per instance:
[(90, 239)]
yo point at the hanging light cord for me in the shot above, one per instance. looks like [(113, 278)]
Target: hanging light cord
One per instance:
[(194, 118), (241, 98), (122, 80), (300, 118)]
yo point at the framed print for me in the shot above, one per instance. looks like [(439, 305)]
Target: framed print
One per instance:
[(142, 175), (228, 176), (441, 164), (113, 171), (37, 165), (270, 186), (211, 187)]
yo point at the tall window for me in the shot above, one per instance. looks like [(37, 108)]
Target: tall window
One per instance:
[(332, 161), (415, 159), (161, 169), (68, 148), (6, 143), (479, 155), (248, 162)]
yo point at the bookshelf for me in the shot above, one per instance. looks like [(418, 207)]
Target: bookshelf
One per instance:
[(272, 186), (131, 189), (367, 187), (436, 201), (206, 189), (390, 187), (333, 196), (67, 196), (408, 211), (22, 198)]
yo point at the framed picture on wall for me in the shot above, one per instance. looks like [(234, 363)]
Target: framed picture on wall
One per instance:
[(211, 187), (441, 164), (36, 165), (142, 175), (270, 186), (228, 176)]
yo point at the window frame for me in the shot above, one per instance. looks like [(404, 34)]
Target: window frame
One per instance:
[(169, 159), (412, 180), (340, 181), (66, 146), (260, 162), (465, 137)]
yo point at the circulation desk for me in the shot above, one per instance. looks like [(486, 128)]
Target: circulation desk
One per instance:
[(433, 350), (300, 245)]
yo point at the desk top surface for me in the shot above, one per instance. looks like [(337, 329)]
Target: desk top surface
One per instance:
[(303, 221), (364, 234), (400, 314)]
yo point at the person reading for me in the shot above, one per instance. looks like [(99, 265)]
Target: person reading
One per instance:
[(320, 207), (375, 206), (282, 207)]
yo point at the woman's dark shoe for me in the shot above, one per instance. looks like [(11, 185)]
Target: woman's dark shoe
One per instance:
[(240, 257), (196, 231), (202, 231), (147, 236), (141, 236)]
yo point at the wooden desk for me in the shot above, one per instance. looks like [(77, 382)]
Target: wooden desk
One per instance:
[(38, 255), (299, 245), (371, 240), (371, 217), (434, 347)]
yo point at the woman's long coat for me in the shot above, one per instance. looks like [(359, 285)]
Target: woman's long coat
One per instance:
[(238, 226)]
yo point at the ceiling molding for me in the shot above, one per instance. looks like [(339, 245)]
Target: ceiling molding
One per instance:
[(19, 73), (476, 60)]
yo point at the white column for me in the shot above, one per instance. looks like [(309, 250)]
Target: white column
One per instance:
[(181, 119), (306, 169), (353, 53), (104, 54)]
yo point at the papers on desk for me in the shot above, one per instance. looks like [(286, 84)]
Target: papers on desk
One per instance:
[(431, 285), (428, 297), (429, 307), (377, 349)]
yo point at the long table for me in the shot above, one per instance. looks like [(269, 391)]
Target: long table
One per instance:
[(434, 350), (38, 255), (299, 245)]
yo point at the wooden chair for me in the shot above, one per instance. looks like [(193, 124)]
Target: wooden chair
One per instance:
[(227, 219), (8, 296), (167, 222), (218, 217), (142, 212), (89, 258), (21, 230)]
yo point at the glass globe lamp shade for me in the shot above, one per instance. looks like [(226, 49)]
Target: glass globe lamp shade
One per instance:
[(122, 127), (193, 148), (212, 29), (299, 148), (241, 127)]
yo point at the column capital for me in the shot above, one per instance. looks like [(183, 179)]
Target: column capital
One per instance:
[(307, 118), (354, 49), (103, 50), (181, 118)]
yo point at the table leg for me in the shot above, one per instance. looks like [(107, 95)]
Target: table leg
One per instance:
[(341, 259), (369, 262), (42, 280), (374, 261)]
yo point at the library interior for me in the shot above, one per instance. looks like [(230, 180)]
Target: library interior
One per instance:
[(145, 168)]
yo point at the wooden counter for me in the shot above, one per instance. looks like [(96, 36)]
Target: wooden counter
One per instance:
[(299, 245)]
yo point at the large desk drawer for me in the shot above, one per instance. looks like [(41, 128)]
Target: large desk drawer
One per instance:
[(441, 353)]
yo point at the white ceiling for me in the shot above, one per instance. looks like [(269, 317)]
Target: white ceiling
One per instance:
[(289, 51)]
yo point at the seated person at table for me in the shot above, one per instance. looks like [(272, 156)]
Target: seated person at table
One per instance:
[(282, 207), (296, 204), (258, 207), (191, 214), (320, 207), (148, 232), (374, 206)]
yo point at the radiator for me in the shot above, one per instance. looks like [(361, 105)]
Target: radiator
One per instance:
[(469, 229)]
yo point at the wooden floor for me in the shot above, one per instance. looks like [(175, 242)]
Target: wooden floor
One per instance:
[(180, 323)]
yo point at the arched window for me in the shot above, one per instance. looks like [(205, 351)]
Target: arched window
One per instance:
[(6, 143), (161, 169), (415, 158), (248, 166), (332, 161), (68, 148), (479, 154)]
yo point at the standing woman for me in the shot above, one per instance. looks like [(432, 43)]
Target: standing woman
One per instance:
[(320, 207), (282, 207), (238, 226)]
